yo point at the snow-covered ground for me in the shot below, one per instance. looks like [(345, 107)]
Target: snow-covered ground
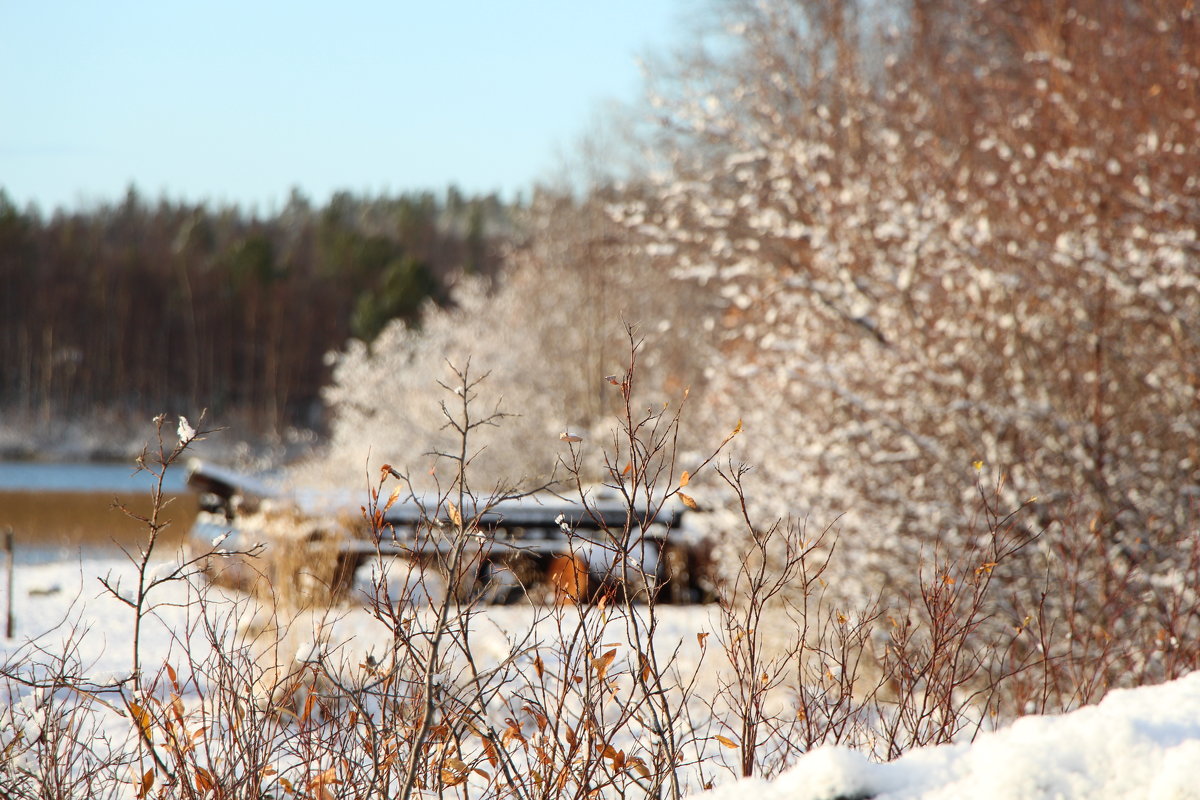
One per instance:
[(1134, 744), (1140, 743)]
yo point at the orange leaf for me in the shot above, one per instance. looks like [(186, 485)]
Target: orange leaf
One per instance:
[(601, 663), (512, 732), (730, 743), (489, 752), (455, 515), (454, 771), (308, 707), (627, 469), (453, 778), (143, 720), (539, 718), (738, 428), (204, 780), (688, 501), (326, 777), (700, 637), (684, 479), (392, 499), (147, 782)]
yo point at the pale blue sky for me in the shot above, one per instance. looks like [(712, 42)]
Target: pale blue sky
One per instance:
[(238, 101)]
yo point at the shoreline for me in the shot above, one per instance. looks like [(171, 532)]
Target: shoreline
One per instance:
[(58, 519)]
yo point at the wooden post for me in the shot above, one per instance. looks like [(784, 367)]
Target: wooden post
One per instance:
[(8, 567)]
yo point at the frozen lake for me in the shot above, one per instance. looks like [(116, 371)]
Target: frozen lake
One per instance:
[(36, 476)]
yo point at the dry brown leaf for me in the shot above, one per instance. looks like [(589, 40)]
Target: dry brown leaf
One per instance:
[(688, 501), (450, 778), (730, 743), (144, 721), (455, 514), (684, 479), (513, 731), (645, 667), (489, 752), (602, 663), (204, 780), (539, 718), (147, 782), (325, 778), (308, 707)]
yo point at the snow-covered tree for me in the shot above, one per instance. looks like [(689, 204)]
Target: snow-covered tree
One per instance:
[(548, 333), (948, 233)]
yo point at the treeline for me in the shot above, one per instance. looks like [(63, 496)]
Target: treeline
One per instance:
[(139, 306)]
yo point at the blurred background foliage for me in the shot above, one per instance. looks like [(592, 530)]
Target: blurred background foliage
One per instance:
[(139, 305)]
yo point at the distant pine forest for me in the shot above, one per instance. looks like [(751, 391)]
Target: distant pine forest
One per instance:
[(139, 306)]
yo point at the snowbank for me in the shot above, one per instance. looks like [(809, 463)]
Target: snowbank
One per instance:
[(1140, 743)]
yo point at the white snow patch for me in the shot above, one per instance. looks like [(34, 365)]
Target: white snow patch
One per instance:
[(1136, 743)]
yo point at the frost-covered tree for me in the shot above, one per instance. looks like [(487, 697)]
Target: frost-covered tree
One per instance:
[(548, 333), (949, 233)]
